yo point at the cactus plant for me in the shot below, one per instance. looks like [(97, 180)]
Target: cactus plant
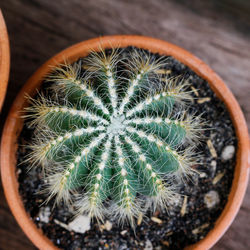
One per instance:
[(114, 137)]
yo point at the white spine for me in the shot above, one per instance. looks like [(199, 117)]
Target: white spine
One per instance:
[(141, 105), (90, 93), (78, 158), (112, 90), (152, 138), (130, 93), (68, 135), (82, 113), (127, 202), (141, 157)]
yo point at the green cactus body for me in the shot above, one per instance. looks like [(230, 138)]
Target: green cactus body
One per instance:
[(112, 134)]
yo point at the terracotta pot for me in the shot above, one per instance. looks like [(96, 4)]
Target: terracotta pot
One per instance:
[(4, 59), (14, 124)]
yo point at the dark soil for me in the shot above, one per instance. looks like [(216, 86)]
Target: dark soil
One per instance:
[(183, 225)]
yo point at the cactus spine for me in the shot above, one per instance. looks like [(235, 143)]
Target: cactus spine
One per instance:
[(114, 133)]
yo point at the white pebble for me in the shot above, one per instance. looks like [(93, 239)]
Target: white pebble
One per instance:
[(80, 224), (148, 245), (108, 225), (213, 168), (228, 153), (203, 175), (44, 214), (213, 163), (211, 199), (123, 232)]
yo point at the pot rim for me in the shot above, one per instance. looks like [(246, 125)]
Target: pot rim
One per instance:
[(14, 123), (4, 59)]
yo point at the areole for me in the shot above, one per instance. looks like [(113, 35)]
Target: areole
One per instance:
[(14, 123)]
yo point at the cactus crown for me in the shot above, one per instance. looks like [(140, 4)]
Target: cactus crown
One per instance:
[(114, 137)]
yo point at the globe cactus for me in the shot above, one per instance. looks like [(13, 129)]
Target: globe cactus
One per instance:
[(114, 137)]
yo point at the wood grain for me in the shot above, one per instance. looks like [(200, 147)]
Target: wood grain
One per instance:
[(216, 31)]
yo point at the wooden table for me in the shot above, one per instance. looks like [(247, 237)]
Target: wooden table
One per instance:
[(216, 31)]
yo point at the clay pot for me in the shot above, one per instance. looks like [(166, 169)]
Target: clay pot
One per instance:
[(14, 124), (4, 59)]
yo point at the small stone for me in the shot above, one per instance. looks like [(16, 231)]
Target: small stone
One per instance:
[(165, 243), (80, 224), (184, 206), (200, 229), (218, 177), (158, 248), (211, 148), (19, 171), (148, 245), (108, 225), (228, 153), (156, 220), (123, 232), (139, 220), (203, 175), (213, 167), (44, 214), (202, 100), (213, 163), (211, 199)]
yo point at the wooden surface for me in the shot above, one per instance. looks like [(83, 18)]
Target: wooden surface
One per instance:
[(216, 31)]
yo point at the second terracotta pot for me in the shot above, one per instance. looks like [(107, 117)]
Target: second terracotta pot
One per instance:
[(4, 59)]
